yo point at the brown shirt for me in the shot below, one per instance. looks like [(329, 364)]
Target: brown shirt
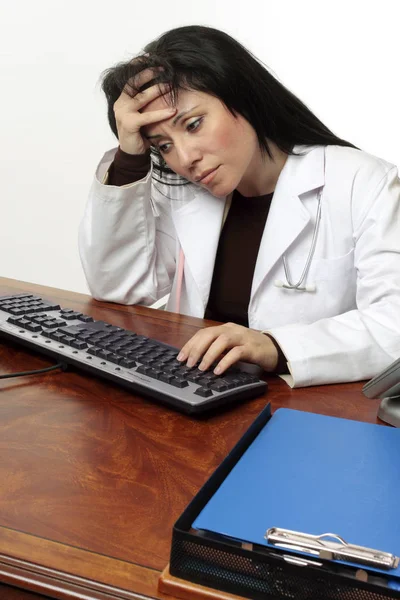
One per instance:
[(127, 168), (236, 259)]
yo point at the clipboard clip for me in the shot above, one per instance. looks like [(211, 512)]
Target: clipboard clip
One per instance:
[(331, 547)]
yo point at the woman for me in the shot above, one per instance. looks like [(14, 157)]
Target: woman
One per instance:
[(227, 193)]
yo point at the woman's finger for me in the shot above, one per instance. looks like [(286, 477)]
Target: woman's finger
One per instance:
[(139, 100), (222, 343), (233, 356), (194, 349), (133, 85), (162, 90), (153, 116)]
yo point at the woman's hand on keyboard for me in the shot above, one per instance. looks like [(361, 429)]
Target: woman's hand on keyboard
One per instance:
[(234, 343)]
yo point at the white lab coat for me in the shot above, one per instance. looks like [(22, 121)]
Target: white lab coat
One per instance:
[(347, 330)]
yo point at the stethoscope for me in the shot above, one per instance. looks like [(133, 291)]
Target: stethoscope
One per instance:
[(289, 285)]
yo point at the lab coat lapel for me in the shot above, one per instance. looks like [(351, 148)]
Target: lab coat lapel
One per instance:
[(288, 216), (198, 225)]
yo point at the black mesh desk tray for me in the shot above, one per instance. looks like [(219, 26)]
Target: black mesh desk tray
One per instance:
[(254, 571)]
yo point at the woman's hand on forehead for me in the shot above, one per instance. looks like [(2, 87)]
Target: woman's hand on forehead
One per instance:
[(129, 111)]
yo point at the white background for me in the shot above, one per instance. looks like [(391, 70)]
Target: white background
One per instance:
[(340, 57)]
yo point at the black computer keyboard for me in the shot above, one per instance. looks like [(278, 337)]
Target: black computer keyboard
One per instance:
[(140, 364)]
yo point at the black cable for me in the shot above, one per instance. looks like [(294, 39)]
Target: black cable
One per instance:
[(62, 366)]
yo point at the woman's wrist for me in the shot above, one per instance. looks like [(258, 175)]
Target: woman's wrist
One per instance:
[(280, 366), (128, 168)]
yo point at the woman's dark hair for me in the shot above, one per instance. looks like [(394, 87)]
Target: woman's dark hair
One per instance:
[(208, 60)]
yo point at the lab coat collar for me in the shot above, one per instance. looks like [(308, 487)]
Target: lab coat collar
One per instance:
[(288, 217), (304, 170)]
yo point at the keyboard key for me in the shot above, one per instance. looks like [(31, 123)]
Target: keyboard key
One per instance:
[(83, 335), (25, 307), (49, 323), (33, 327), (6, 306), (38, 309), (13, 298), (204, 382), (179, 382), (112, 328), (78, 345), (100, 336), (97, 326), (163, 360), (39, 319), (104, 353), (184, 370), (13, 320), (114, 358), (128, 363), (72, 315), (23, 323), (194, 377), (153, 373), (124, 352), (218, 386), (203, 392), (209, 375), (104, 345), (67, 339), (146, 360), (56, 336), (229, 384), (117, 348), (16, 311), (165, 377), (71, 330), (143, 369), (125, 343), (50, 307), (59, 322)]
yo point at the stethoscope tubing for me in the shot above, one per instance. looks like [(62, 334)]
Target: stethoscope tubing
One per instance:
[(298, 286)]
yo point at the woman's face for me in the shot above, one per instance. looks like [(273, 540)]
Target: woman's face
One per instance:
[(203, 142)]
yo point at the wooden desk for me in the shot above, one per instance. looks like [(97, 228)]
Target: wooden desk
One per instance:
[(93, 478)]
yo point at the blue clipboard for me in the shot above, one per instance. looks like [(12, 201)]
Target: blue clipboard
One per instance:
[(315, 474)]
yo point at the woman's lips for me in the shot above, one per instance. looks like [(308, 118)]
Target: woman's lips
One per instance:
[(208, 178)]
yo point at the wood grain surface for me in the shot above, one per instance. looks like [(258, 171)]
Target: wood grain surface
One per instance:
[(94, 477)]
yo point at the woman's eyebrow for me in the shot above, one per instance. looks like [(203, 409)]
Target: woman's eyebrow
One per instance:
[(182, 114), (174, 122)]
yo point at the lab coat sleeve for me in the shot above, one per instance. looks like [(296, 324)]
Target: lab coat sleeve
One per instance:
[(358, 344), (126, 241)]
